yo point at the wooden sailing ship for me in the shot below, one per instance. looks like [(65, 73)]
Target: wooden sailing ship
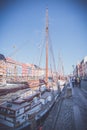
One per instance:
[(32, 105)]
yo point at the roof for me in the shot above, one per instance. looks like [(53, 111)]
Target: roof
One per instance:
[(2, 57), (10, 60)]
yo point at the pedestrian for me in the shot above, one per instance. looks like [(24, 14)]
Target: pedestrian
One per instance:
[(73, 82), (77, 81), (80, 82)]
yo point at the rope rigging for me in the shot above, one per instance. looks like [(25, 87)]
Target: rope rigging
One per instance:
[(51, 58)]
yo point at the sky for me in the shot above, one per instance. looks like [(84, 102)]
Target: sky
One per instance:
[(22, 30)]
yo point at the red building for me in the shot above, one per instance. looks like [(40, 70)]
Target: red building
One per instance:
[(13, 71)]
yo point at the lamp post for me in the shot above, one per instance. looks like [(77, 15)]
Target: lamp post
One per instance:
[(73, 69)]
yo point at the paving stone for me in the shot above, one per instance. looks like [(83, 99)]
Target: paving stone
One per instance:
[(65, 118)]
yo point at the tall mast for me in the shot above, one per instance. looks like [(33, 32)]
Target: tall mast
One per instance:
[(60, 67), (46, 45)]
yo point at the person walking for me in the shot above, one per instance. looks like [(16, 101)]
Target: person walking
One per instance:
[(76, 81), (79, 81), (73, 82)]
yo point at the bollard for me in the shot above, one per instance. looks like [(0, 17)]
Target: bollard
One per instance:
[(69, 91)]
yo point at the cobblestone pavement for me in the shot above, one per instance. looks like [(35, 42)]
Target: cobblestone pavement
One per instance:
[(80, 102), (66, 118), (69, 113), (84, 88), (84, 85)]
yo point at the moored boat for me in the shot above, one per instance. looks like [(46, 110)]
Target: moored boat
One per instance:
[(31, 105), (17, 113)]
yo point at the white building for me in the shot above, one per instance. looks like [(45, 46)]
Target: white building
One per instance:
[(83, 67)]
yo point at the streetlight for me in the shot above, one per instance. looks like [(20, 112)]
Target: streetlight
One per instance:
[(73, 69)]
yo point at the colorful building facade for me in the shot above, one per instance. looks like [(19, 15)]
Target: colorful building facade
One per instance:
[(81, 68), (13, 71)]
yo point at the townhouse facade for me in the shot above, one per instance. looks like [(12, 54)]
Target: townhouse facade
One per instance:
[(11, 71), (81, 68)]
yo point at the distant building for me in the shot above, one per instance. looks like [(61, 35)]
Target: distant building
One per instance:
[(2, 69), (13, 71), (81, 68), (84, 66)]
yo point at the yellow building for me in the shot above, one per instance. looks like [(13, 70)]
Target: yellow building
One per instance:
[(2, 69)]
